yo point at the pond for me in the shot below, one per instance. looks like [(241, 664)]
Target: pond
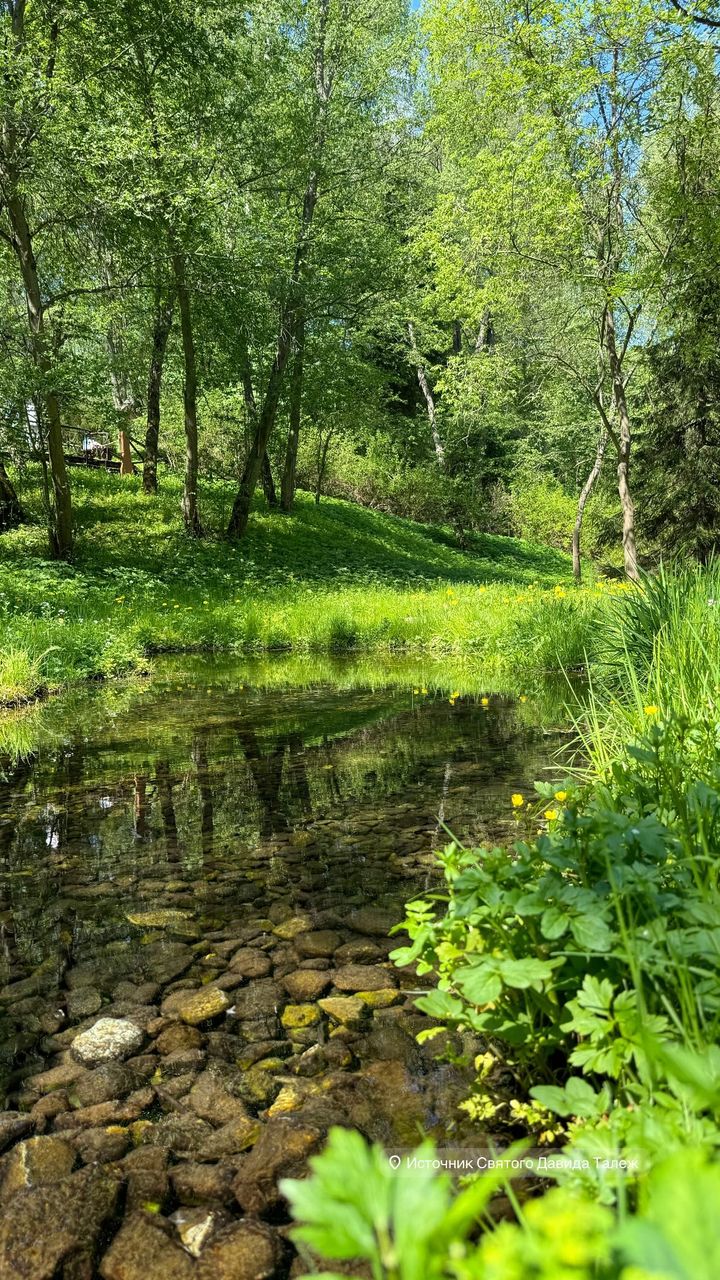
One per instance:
[(243, 832)]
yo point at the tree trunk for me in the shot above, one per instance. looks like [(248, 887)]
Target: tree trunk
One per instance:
[(161, 332), (429, 400), (266, 420), (287, 489), (322, 460), (127, 466), (294, 304), (584, 495), (60, 531), (11, 513), (191, 515), (624, 444), (268, 483)]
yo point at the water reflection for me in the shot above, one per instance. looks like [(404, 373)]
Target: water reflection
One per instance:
[(205, 793)]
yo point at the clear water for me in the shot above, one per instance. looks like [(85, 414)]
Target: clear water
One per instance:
[(217, 788)]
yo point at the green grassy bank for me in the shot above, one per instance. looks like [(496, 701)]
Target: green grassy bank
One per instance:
[(336, 577)]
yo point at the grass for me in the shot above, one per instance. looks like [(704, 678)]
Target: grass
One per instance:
[(332, 578)]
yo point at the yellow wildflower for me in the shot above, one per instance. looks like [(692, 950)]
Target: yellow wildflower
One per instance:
[(517, 800), (561, 796), (523, 697), (651, 709), (485, 702), (551, 814)]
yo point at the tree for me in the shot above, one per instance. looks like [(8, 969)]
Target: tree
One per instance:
[(31, 126), (542, 113)]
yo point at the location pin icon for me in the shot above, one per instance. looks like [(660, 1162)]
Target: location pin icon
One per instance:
[(395, 1162)]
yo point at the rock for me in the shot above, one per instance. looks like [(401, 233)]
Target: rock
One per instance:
[(83, 1002), (59, 1077), (177, 1037), (259, 998), (246, 1250), (203, 1006), (298, 1016), (14, 1125), (319, 942), (181, 1132), (349, 1011), (202, 1183), (194, 1227), (235, 1136), (282, 1150), (175, 995), (211, 1101), (48, 1107), (258, 1087), (34, 1162), (107, 1112), (381, 999), (289, 929), (253, 1053), (374, 920), (101, 1146), (108, 1040), (182, 1061), (51, 1223), (146, 993), (306, 984), (363, 977), (143, 1249), (323, 1057), (251, 963), (112, 1080), (357, 951), (147, 1177), (159, 919)]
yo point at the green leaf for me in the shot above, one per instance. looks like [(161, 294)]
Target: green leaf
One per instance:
[(554, 923), (525, 972), (591, 933), (479, 983)]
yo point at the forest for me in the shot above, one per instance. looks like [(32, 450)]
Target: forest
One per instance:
[(359, 508)]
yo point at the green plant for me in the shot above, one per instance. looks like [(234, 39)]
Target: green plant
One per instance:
[(407, 1225)]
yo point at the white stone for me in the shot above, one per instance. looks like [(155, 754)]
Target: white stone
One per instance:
[(108, 1040)]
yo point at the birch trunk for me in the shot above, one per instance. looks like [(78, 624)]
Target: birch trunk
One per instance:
[(287, 488), (161, 332), (624, 445), (190, 511), (582, 500)]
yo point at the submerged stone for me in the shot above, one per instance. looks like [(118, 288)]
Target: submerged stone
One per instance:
[(349, 1011), (144, 1249), (203, 1006), (363, 977), (297, 1016), (51, 1223), (34, 1162), (109, 1039), (158, 919), (281, 1151), (247, 1250)]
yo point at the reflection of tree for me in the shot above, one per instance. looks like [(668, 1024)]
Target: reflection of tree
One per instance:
[(297, 773), (266, 773), (164, 786), (13, 778), (202, 773), (140, 806)]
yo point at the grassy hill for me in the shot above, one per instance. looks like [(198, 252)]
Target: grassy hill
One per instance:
[(332, 577)]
